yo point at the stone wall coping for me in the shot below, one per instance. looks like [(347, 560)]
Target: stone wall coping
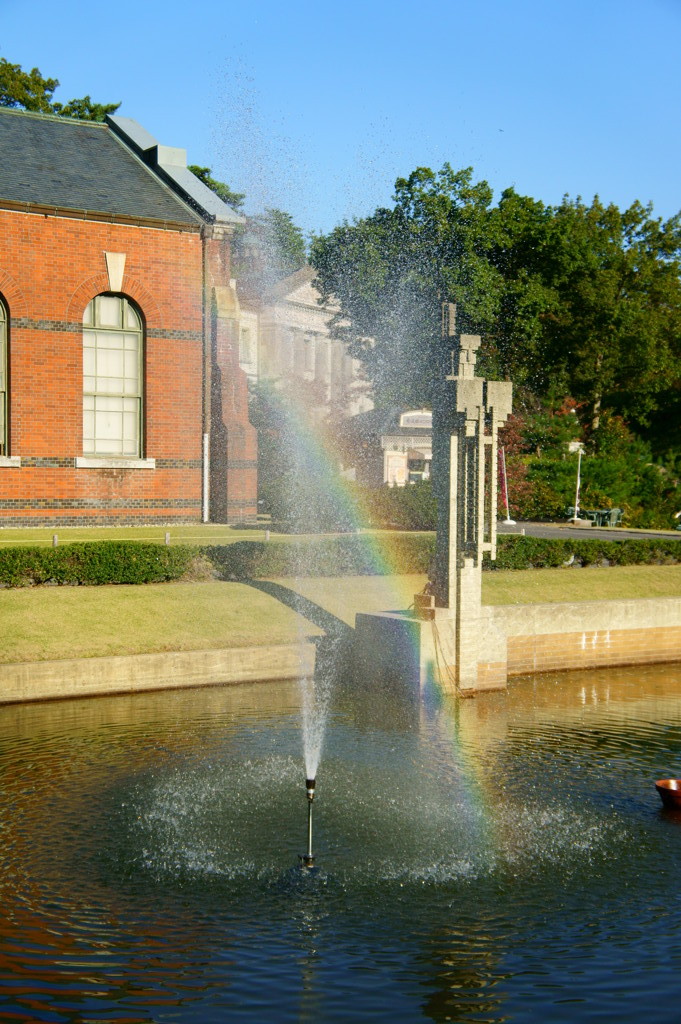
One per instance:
[(103, 462)]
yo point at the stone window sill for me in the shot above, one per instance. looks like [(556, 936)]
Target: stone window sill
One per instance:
[(10, 461), (97, 462)]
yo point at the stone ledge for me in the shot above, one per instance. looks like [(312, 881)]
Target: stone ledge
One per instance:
[(101, 462)]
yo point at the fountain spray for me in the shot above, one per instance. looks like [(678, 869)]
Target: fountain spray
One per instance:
[(307, 859)]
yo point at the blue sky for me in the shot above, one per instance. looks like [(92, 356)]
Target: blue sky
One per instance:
[(316, 108)]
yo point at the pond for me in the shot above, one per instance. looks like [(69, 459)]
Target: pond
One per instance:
[(499, 859)]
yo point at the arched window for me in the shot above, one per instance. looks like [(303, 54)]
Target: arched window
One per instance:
[(112, 378), (3, 379)]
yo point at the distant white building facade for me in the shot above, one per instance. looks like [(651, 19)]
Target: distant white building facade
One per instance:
[(285, 337), (408, 448), (390, 446)]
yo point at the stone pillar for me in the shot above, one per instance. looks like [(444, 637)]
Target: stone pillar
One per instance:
[(450, 636), (466, 418)]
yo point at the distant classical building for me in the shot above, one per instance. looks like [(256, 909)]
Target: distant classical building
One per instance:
[(285, 337), (121, 395), (390, 446)]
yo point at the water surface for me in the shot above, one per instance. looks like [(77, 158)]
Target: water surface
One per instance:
[(500, 859)]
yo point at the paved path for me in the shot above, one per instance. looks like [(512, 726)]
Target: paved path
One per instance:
[(586, 533)]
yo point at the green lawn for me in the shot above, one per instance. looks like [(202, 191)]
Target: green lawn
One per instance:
[(46, 623), (198, 533), (534, 586), (344, 597), (51, 623)]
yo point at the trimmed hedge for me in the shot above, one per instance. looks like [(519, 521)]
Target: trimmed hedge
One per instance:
[(106, 562), (366, 555), (94, 563), (350, 555), (544, 552)]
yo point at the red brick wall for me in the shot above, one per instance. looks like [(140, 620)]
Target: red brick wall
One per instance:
[(234, 483), (50, 268)]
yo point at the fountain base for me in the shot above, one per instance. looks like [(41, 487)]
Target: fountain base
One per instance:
[(418, 650)]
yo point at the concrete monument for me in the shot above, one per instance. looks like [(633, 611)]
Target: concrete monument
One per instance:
[(450, 635)]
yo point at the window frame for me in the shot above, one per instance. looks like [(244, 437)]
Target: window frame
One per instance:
[(4, 388), (94, 325)]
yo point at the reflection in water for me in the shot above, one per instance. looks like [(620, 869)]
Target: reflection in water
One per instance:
[(504, 858)]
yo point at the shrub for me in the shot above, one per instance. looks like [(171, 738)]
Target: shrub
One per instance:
[(352, 555), (413, 507), (94, 563), (515, 552)]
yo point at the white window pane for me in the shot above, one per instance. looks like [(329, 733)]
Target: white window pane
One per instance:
[(131, 367), (130, 424), (107, 423), (109, 363), (111, 372), (109, 311), (108, 446), (89, 314), (109, 339), (131, 318)]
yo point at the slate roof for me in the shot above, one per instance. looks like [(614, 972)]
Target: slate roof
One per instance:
[(170, 164), (81, 166)]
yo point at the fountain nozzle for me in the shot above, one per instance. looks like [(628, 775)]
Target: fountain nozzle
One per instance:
[(306, 859)]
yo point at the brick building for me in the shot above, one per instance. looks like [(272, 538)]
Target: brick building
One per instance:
[(121, 395)]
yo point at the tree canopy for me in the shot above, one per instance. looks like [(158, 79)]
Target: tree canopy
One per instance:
[(233, 199), (29, 90), (576, 299)]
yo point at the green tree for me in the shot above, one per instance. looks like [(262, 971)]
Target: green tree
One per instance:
[(233, 199), (271, 247), (581, 300), (28, 90)]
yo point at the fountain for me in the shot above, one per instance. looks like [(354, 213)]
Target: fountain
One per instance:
[(481, 860)]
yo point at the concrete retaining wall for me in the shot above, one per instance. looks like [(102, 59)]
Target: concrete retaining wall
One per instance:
[(46, 680), (543, 637), (520, 639)]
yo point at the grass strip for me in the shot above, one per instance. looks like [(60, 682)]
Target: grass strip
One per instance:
[(52, 623)]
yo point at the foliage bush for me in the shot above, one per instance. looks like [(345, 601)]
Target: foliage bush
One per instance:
[(94, 563), (403, 508), (364, 555), (114, 562), (541, 553), (351, 555)]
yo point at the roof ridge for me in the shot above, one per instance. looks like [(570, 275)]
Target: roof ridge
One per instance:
[(60, 118)]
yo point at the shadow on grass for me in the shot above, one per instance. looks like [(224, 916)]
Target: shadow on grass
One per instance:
[(333, 649), (331, 624)]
